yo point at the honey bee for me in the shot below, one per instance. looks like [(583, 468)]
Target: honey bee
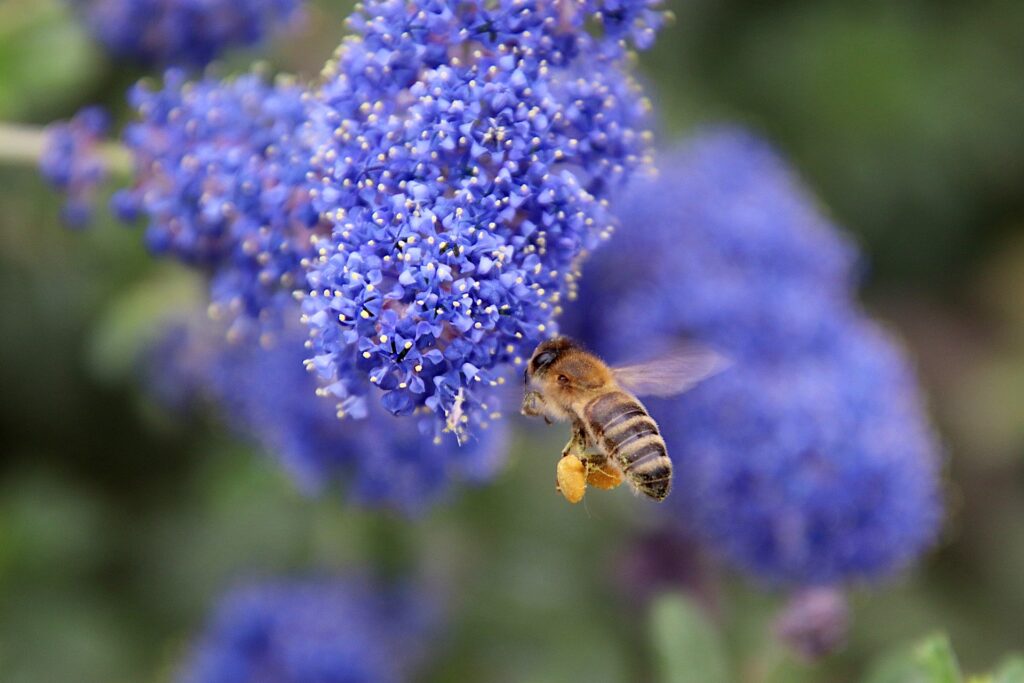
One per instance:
[(566, 383)]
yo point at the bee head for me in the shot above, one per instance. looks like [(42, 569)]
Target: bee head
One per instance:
[(559, 373), (546, 354), (561, 366)]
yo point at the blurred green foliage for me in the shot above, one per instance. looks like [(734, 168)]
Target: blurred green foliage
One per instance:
[(905, 114), (687, 646), (46, 59), (119, 523), (932, 660)]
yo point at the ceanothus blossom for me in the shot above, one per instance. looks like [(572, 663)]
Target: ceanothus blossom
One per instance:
[(472, 150), (312, 630), (73, 162), (183, 32), (221, 179), (811, 460)]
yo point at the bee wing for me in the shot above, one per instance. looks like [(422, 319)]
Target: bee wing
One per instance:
[(672, 373)]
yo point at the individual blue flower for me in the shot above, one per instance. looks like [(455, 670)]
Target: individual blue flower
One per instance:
[(267, 395), (637, 21), (725, 245), (183, 32), (321, 630), (220, 176), (810, 461), (73, 162), (473, 149)]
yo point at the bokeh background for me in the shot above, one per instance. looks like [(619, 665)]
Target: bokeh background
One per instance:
[(120, 522)]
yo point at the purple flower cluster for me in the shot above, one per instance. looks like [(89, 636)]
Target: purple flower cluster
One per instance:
[(764, 274), (810, 461), (430, 204), (810, 471), (220, 176), (73, 163), (337, 630), (183, 32), (472, 149), (265, 394)]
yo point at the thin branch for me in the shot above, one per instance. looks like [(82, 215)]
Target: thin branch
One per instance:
[(24, 144), (21, 144)]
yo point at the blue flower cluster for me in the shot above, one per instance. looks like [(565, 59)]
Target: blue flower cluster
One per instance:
[(322, 630), (760, 272), (72, 161), (810, 471), (265, 394), (810, 461), (220, 175), (472, 149), (183, 32), (429, 203)]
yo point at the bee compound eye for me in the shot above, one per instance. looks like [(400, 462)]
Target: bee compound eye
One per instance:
[(544, 359)]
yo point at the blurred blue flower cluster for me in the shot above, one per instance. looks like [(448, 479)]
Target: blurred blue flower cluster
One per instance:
[(725, 246), (73, 163), (811, 460), (185, 32), (473, 147), (321, 630), (220, 176), (265, 394)]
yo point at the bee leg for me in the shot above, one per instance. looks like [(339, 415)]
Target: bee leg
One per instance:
[(532, 404), (578, 443), (571, 477)]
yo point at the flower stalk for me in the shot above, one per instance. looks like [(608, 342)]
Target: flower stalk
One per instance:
[(22, 143)]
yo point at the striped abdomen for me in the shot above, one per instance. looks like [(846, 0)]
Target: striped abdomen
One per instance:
[(627, 434)]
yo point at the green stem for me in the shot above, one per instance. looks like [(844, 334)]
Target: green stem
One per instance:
[(24, 144), (118, 158)]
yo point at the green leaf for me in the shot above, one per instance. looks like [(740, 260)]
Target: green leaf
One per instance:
[(936, 658), (1011, 671), (687, 646), (137, 318), (930, 661)]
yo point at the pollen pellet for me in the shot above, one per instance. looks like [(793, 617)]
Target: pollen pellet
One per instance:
[(604, 477), (571, 476)]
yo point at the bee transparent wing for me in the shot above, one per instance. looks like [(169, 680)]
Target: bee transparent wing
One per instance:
[(671, 374)]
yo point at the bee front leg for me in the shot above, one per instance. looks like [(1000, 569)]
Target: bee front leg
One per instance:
[(532, 404)]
